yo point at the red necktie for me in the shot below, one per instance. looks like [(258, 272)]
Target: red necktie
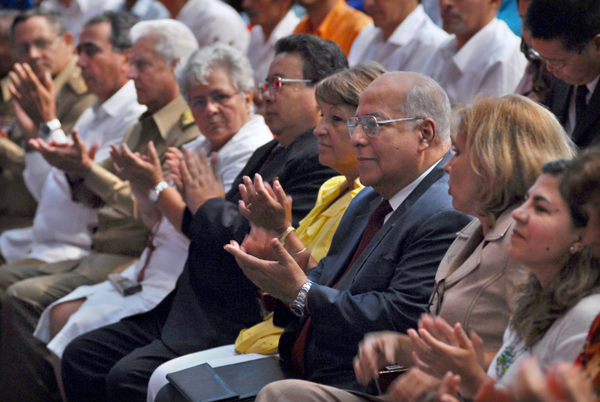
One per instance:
[(373, 225)]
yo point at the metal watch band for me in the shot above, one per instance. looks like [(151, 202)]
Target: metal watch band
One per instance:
[(298, 306)]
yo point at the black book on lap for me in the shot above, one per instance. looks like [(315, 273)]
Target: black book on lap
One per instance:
[(233, 382)]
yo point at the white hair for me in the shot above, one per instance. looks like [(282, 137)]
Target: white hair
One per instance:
[(204, 61), (426, 98), (175, 41)]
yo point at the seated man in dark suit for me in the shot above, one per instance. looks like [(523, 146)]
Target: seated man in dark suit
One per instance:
[(566, 36), (213, 300), (379, 272)]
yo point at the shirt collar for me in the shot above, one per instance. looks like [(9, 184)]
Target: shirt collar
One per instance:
[(403, 194), (164, 117), (473, 45), (591, 86), (283, 27), (114, 105), (406, 31)]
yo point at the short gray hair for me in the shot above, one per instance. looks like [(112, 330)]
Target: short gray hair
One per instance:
[(174, 39), (426, 98), (204, 61)]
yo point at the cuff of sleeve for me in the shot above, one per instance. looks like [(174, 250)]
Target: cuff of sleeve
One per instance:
[(186, 221), (101, 181), (58, 136)]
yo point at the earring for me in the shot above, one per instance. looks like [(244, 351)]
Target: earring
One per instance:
[(572, 249)]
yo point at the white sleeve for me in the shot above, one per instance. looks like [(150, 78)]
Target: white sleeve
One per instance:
[(36, 167)]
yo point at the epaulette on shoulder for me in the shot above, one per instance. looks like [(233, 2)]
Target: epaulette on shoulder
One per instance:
[(186, 119), (77, 83)]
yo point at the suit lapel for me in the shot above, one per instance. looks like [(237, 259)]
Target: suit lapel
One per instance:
[(398, 214), (257, 159), (561, 100), (361, 219), (591, 114)]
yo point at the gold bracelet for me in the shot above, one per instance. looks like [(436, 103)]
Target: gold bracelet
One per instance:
[(300, 252), (284, 236)]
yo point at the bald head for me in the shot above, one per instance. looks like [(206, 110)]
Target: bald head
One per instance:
[(394, 154)]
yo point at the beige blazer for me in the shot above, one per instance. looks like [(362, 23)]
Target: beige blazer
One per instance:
[(476, 280)]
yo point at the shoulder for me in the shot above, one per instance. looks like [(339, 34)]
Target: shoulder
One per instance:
[(584, 312), (76, 82)]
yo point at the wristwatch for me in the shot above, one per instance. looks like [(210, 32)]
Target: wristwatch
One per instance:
[(154, 193), (48, 127), (298, 306)]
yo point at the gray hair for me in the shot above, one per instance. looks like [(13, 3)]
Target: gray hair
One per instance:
[(204, 61), (426, 98), (175, 40)]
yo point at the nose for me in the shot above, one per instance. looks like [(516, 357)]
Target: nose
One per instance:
[(448, 165), (267, 95), (211, 107), (132, 72), (34, 52), (446, 3), (359, 138), (321, 128), (82, 61), (520, 214)]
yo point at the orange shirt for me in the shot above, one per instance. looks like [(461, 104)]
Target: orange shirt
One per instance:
[(342, 25)]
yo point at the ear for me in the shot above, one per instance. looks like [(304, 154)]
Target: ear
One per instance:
[(496, 4), (428, 131), (596, 40), (68, 38), (577, 246), (248, 99)]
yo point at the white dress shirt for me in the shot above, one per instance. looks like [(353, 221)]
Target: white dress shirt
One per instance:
[(146, 10), (407, 49), (262, 51), (233, 156), (79, 11), (490, 63), (62, 228), (104, 305), (213, 21)]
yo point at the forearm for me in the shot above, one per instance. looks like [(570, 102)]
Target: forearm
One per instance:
[(298, 250), (171, 205), (148, 212)]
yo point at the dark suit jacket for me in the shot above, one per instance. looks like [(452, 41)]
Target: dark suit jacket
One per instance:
[(587, 130), (213, 299), (389, 286)]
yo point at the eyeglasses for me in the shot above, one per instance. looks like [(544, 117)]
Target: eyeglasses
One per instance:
[(556, 64), (219, 98), (40, 44), (274, 83), (370, 124)]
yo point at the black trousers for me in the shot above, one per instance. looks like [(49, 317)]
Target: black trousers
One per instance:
[(115, 362)]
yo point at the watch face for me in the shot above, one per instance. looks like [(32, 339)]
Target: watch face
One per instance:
[(153, 196)]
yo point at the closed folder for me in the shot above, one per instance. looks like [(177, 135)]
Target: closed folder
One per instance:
[(233, 382)]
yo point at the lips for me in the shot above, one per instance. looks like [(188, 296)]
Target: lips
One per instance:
[(517, 235)]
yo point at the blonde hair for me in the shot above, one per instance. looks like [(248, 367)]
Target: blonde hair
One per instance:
[(508, 140)]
